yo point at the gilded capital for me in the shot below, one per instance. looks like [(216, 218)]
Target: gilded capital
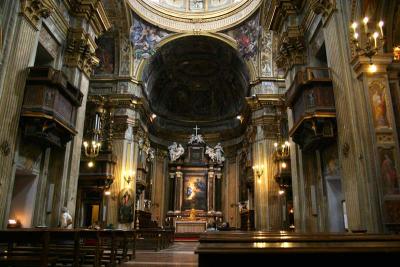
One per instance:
[(34, 10), (80, 51), (291, 48)]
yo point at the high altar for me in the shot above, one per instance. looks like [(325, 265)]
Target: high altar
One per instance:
[(195, 183)]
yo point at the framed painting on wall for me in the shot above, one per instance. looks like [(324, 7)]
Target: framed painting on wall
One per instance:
[(194, 193)]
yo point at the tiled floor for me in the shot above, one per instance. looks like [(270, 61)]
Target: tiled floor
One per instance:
[(179, 254)]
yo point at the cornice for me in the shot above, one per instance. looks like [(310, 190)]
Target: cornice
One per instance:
[(197, 22), (93, 11)]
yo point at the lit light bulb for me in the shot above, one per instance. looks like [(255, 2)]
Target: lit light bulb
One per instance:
[(365, 20), (90, 164), (281, 192), (107, 193), (284, 165), (372, 68), (354, 25)]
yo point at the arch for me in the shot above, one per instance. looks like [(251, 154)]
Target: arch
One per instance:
[(175, 36)]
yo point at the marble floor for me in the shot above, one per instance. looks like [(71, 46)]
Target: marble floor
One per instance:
[(179, 254)]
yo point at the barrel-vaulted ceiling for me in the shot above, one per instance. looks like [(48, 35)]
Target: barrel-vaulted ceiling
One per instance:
[(196, 79)]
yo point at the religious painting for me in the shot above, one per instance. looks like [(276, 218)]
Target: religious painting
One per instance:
[(330, 162), (378, 103), (144, 38), (266, 54), (247, 36), (194, 193), (105, 52), (126, 202), (389, 173)]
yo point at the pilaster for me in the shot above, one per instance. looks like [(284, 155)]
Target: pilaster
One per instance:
[(384, 146), (353, 141)]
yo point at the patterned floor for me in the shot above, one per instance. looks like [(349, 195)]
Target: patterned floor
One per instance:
[(179, 254)]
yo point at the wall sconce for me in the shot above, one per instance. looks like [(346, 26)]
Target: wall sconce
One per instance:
[(373, 43), (129, 175), (258, 170)]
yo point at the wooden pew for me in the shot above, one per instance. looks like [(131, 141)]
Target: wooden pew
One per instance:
[(244, 248), (36, 239)]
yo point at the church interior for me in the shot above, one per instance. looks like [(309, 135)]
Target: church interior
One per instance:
[(236, 127)]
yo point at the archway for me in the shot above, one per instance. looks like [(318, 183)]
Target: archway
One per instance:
[(196, 80)]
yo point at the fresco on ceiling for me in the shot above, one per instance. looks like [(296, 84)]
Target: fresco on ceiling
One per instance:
[(247, 36), (106, 54), (145, 38)]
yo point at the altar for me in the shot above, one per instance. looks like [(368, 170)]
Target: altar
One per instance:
[(195, 171), (190, 226)]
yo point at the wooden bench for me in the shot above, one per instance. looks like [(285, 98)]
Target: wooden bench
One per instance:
[(244, 248), (72, 247)]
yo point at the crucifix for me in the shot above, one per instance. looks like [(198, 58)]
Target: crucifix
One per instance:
[(196, 128)]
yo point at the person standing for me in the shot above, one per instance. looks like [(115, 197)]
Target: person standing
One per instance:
[(66, 219)]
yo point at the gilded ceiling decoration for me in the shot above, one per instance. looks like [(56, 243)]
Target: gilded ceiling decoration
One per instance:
[(195, 15)]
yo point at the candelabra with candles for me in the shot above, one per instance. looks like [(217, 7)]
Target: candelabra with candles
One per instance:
[(92, 147), (282, 160), (374, 40)]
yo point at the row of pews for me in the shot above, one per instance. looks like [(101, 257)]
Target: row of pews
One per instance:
[(154, 238), (64, 247), (244, 248)]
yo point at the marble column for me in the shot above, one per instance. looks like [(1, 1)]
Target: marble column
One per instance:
[(178, 191), (10, 106), (266, 191), (76, 143), (171, 182), (211, 189)]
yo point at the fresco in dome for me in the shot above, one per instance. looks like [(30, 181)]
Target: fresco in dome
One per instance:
[(144, 38), (247, 36)]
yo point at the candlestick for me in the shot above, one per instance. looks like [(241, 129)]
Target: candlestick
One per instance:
[(365, 21)]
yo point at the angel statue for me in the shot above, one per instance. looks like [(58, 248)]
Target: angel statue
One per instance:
[(211, 153), (196, 139), (175, 151)]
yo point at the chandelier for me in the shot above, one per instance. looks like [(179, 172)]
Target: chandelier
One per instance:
[(92, 147), (373, 42)]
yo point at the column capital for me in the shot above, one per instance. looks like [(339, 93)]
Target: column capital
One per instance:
[(361, 64), (34, 10)]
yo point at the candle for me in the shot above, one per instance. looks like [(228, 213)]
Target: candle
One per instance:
[(380, 24), (376, 34), (365, 21)]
